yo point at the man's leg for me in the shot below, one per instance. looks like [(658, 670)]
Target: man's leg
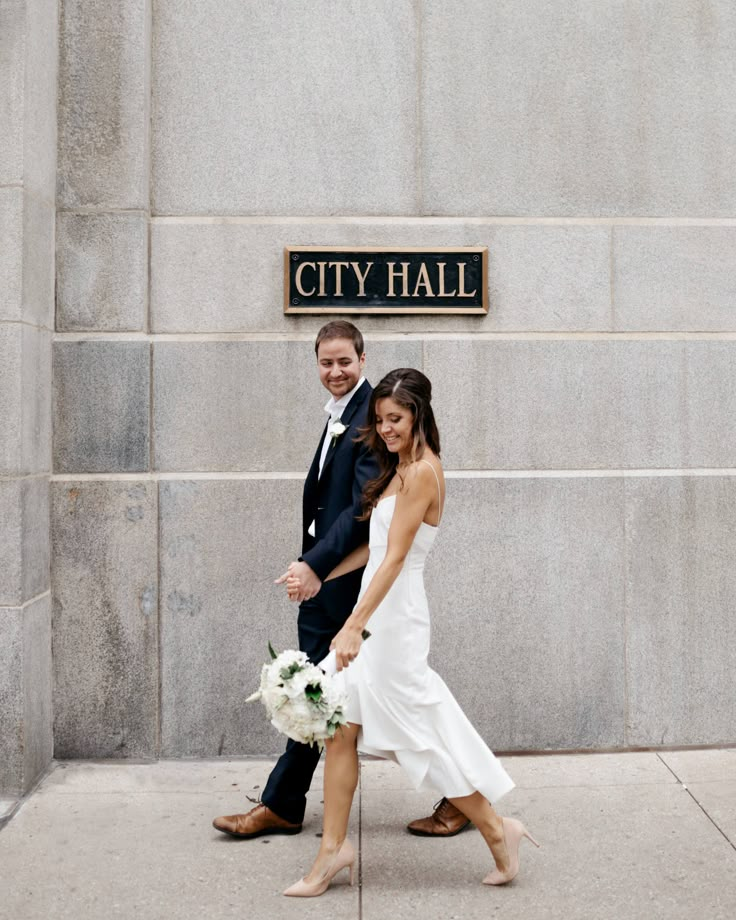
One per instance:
[(284, 798), (287, 787)]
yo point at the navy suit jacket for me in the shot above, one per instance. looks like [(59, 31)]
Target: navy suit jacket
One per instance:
[(333, 500)]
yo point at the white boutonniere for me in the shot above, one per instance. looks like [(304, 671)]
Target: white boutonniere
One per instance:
[(335, 430)]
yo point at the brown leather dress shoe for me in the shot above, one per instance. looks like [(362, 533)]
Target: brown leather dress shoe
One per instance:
[(445, 822), (258, 821)]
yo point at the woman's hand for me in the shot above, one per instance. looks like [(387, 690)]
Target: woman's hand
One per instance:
[(346, 644), (293, 587)]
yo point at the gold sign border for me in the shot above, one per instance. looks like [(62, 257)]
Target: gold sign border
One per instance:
[(425, 308)]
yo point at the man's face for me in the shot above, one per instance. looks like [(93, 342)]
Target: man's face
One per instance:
[(340, 366)]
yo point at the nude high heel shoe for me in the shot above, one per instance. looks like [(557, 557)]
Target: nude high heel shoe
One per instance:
[(344, 859), (513, 831)]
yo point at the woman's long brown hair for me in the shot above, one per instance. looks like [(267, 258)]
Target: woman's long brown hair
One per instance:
[(413, 391)]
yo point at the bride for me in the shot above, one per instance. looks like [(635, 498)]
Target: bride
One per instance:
[(398, 708)]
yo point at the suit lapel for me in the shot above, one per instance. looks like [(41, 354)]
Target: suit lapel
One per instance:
[(313, 474)]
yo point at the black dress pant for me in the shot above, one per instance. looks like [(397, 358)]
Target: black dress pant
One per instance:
[(320, 619)]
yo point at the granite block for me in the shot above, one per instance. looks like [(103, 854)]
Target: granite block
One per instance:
[(709, 402), (11, 253), (101, 406), (25, 389), (36, 544), (36, 400), (12, 80), (104, 76), (310, 106), (222, 545), (247, 405), (39, 262), (41, 82), (24, 540), (595, 404), (674, 278), (25, 383), (680, 631), (528, 629), (26, 258), (577, 108), (550, 278), (102, 272), (11, 700), (226, 275), (11, 423), (38, 744), (11, 555), (25, 695), (105, 620)]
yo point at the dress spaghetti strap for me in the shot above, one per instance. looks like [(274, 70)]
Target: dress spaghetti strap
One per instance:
[(439, 490)]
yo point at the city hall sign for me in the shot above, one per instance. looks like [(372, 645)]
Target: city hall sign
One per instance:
[(368, 280)]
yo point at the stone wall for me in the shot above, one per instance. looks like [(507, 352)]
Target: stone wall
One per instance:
[(583, 579), (28, 76)]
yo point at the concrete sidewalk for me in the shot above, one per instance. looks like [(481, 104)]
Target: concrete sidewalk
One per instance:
[(642, 835)]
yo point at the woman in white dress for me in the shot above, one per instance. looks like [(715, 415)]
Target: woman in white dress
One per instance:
[(398, 707)]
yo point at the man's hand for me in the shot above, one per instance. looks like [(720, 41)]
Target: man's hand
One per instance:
[(302, 583)]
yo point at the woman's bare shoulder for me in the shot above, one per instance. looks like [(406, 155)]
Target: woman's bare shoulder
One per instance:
[(423, 472)]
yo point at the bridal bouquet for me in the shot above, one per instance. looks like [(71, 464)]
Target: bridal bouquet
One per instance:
[(301, 701)]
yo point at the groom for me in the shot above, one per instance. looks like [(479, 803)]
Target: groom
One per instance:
[(330, 531), (331, 503)]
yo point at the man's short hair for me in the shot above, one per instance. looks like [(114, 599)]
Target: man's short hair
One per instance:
[(340, 329)]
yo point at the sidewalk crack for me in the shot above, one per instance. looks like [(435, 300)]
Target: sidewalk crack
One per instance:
[(699, 804)]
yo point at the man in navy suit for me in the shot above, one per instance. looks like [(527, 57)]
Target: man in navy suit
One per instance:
[(330, 531)]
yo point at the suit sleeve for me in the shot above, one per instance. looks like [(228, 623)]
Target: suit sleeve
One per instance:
[(346, 533)]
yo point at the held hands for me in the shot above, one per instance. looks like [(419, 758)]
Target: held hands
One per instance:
[(302, 583), (346, 645)]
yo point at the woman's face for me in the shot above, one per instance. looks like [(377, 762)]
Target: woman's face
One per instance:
[(394, 425)]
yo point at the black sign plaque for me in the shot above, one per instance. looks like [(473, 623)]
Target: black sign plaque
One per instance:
[(371, 280)]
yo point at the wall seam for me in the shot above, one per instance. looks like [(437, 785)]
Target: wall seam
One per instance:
[(10, 477), (442, 219), (450, 473), (28, 603), (625, 618), (159, 630), (611, 276), (25, 322), (101, 211), (399, 336), (418, 146), (148, 320)]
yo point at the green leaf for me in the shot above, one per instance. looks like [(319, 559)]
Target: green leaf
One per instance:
[(271, 651), (313, 692), (288, 673)]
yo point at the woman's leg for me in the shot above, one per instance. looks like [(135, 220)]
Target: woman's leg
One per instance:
[(484, 817), (341, 779)]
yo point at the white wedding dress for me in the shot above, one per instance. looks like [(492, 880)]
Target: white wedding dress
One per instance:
[(405, 710)]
